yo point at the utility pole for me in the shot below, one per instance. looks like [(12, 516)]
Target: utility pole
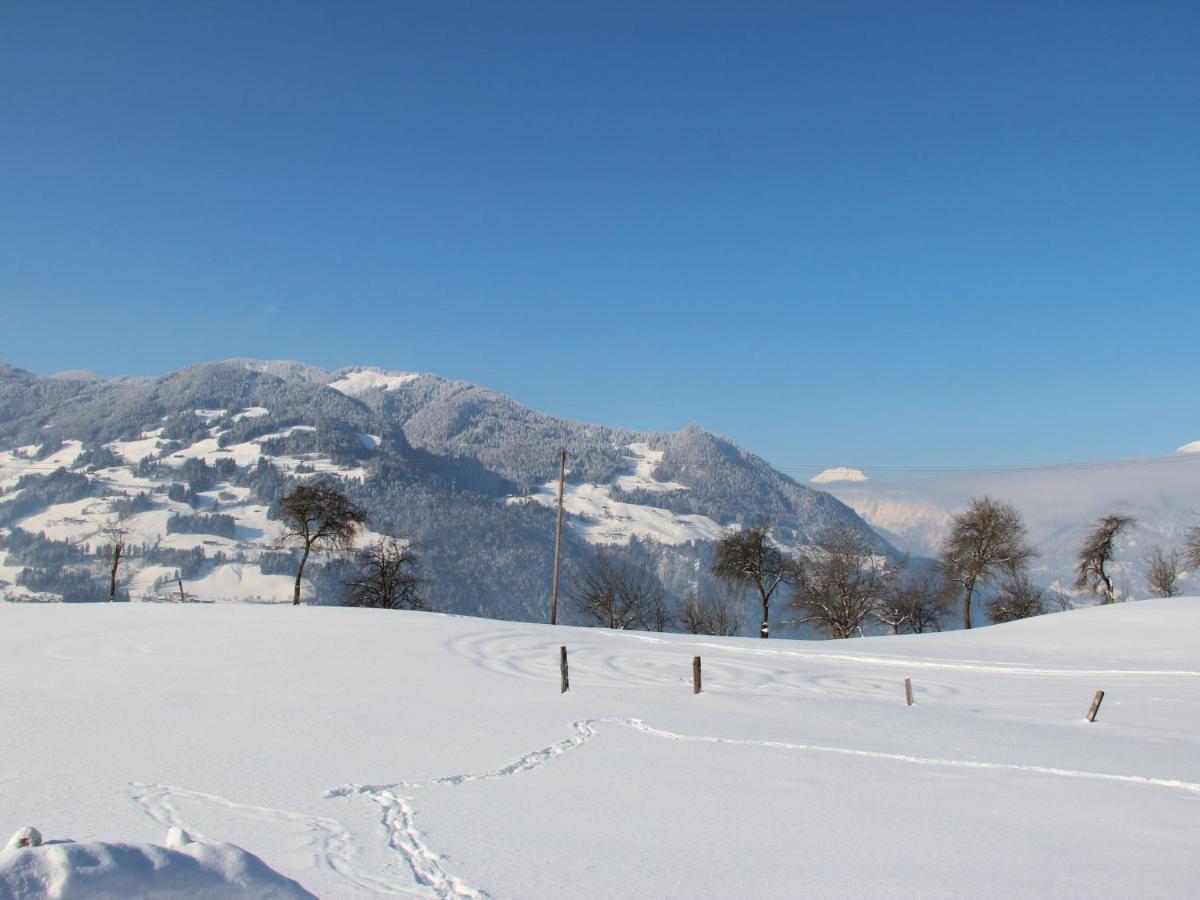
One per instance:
[(562, 478)]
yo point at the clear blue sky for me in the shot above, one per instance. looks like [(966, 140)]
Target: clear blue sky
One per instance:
[(902, 234)]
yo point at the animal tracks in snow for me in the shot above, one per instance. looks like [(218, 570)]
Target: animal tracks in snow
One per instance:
[(331, 842), (333, 845), (586, 729), (427, 866)]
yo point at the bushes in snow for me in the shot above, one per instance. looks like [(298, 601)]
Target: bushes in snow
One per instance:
[(616, 593), (1017, 598)]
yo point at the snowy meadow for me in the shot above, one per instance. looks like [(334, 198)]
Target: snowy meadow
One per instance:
[(364, 752)]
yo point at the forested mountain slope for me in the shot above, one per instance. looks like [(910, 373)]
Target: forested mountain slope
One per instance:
[(191, 463)]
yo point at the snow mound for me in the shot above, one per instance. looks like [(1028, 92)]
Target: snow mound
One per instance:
[(95, 869), (838, 473), (357, 381), (1193, 447)]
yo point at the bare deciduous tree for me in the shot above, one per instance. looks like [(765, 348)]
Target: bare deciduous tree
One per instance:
[(1018, 598), (930, 597), (1097, 552), (1059, 599), (617, 594), (986, 539), (1191, 549), (1162, 571), (842, 583), (891, 611), (318, 517), (918, 600), (747, 557), (663, 613), (386, 577), (712, 612), (117, 536)]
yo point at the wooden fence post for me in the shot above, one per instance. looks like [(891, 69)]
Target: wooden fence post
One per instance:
[(562, 666), (1091, 716), (695, 674), (908, 690)]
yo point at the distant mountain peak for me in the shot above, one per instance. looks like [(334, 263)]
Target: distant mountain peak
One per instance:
[(1193, 447), (838, 474), (77, 375), (287, 369)]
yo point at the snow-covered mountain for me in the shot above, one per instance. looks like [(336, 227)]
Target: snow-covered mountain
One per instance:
[(1058, 503), (190, 464)]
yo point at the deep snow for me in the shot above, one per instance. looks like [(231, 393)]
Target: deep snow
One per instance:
[(362, 752), (100, 870)]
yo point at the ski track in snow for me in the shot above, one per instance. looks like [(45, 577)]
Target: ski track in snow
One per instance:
[(525, 655), (918, 760), (963, 665)]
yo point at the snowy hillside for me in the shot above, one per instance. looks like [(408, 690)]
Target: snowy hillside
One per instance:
[(363, 752), (602, 519), (189, 466), (1058, 503)]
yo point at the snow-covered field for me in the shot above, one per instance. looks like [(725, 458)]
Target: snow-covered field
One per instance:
[(366, 752), (601, 519)]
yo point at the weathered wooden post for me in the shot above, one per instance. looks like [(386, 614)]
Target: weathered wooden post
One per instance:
[(908, 690), (695, 674), (1091, 716), (562, 667)]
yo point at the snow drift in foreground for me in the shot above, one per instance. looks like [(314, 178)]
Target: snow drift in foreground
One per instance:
[(364, 752), (183, 868)]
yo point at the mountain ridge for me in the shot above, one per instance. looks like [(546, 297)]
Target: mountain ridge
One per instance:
[(460, 468)]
